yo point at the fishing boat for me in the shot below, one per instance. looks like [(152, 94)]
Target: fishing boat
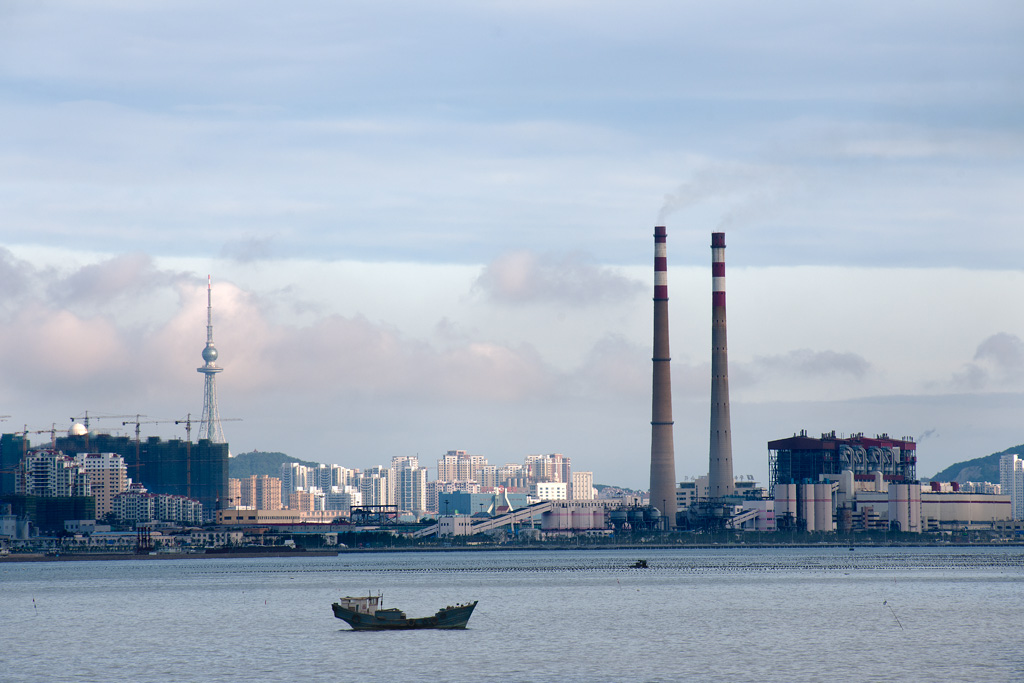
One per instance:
[(365, 613)]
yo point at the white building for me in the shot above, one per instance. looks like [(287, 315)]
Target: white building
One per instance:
[(549, 490), (459, 466), (51, 474), (141, 507), (342, 498), (377, 485), (108, 476), (411, 489), (454, 525), (1011, 482), (583, 486)]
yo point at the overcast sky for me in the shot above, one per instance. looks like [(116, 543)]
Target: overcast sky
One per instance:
[(429, 225)]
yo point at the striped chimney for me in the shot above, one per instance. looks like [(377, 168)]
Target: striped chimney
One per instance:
[(663, 459), (720, 479)]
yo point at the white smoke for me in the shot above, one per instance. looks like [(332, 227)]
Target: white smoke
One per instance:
[(744, 190)]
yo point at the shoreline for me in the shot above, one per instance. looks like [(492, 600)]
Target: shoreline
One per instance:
[(99, 557)]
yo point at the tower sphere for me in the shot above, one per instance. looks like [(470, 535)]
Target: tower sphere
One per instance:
[(210, 353)]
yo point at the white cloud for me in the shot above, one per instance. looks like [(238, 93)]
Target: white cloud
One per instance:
[(524, 277)]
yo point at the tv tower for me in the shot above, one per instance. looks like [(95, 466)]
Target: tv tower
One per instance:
[(209, 425)]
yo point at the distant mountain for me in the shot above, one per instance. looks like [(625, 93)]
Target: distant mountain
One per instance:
[(602, 487), (245, 465), (980, 469)]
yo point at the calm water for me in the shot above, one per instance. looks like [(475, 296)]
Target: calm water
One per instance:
[(705, 615)]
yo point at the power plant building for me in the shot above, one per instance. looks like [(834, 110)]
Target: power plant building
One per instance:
[(801, 459)]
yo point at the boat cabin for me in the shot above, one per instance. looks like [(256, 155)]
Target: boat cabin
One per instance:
[(364, 605)]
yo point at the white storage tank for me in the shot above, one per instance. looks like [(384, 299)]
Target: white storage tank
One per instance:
[(785, 501), (823, 513), (580, 518), (806, 498)]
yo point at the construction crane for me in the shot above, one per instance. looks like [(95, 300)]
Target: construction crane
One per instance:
[(84, 417), (85, 422)]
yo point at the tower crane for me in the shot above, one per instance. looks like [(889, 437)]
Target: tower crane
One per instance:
[(85, 421)]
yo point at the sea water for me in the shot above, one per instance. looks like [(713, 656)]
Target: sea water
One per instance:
[(729, 614)]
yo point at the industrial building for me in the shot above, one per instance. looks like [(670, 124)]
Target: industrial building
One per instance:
[(802, 458), (847, 503)]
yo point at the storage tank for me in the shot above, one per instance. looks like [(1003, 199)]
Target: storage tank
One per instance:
[(805, 498), (548, 521), (846, 484), (823, 520), (564, 518), (618, 517), (652, 515), (915, 508), (580, 518), (899, 506), (785, 502)]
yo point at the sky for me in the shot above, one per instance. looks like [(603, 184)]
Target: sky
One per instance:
[(429, 225)]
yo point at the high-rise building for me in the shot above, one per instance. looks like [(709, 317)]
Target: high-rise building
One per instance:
[(411, 489), (460, 466), (582, 486), (261, 492), (108, 476), (12, 449), (209, 425), (234, 493), (1011, 482), (551, 467), (51, 474), (377, 485)]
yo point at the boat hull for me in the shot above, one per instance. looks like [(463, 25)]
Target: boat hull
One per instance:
[(447, 618)]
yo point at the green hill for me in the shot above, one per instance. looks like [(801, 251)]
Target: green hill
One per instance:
[(258, 463), (980, 469)]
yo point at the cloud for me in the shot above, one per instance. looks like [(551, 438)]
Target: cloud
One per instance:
[(526, 277), (998, 361), (615, 367), (96, 285), (1004, 352), (248, 250), (809, 364), (15, 277)]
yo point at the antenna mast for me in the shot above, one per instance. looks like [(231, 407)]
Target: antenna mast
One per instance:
[(209, 425)]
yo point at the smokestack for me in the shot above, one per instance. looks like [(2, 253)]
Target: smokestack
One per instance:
[(720, 480), (663, 456)]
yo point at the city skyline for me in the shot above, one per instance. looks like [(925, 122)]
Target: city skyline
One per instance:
[(430, 226)]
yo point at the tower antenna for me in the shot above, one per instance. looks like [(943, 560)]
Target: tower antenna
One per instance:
[(209, 425)]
